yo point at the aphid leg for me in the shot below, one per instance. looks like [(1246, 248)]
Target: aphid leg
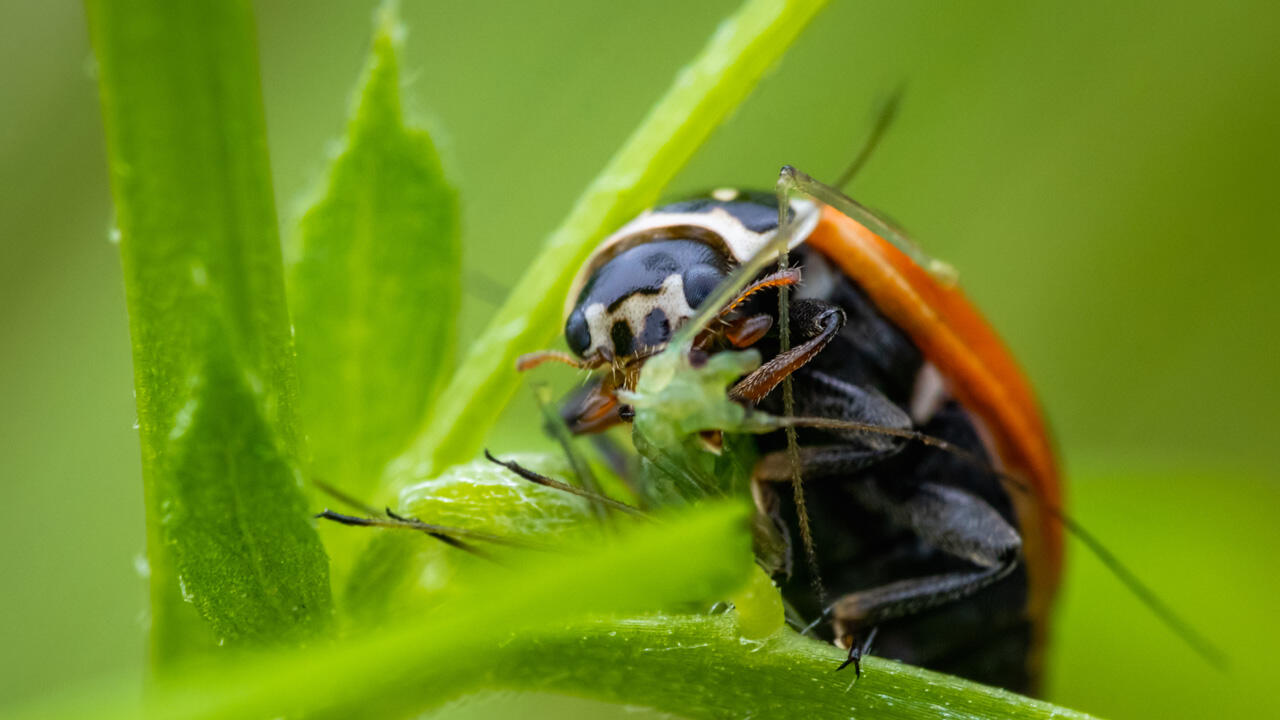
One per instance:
[(555, 425), (792, 181), (818, 322), (946, 518), (343, 497), (393, 521), (813, 624), (452, 536), (617, 458), (540, 479), (885, 115)]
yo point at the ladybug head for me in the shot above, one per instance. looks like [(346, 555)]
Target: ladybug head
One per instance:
[(646, 281), (631, 305)]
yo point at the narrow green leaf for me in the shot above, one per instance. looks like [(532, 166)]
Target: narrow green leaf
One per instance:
[(374, 283), (702, 95), (431, 657), (213, 358)]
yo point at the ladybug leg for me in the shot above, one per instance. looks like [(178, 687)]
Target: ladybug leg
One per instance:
[(790, 276), (529, 361), (856, 651), (821, 395), (771, 534), (949, 519), (816, 322), (747, 331), (826, 396), (817, 461), (885, 115), (593, 409)]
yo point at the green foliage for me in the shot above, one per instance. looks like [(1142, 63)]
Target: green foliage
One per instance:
[(674, 402), (1217, 570), (702, 96), (375, 285), (1103, 191), (428, 658), (212, 354)]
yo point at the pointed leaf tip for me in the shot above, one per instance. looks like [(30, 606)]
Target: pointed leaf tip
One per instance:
[(375, 284)]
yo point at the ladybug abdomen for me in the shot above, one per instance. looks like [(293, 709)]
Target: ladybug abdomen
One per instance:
[(987, 636)]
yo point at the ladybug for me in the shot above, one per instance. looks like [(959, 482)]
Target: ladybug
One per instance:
[(952, 565)]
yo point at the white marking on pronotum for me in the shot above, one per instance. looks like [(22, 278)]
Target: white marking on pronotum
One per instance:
[(634, 309), (716, 228)]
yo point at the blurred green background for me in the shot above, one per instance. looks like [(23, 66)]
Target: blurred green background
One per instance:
[(1103, 174)]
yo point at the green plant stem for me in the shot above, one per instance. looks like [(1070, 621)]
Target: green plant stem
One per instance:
[(703, 94), (213, 358), (698, 666)]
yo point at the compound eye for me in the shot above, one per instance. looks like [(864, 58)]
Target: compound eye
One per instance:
[(576, 332), (699, 282)]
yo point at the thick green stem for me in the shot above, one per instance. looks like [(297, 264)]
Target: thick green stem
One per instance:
[(700, 667), (226, 530)]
